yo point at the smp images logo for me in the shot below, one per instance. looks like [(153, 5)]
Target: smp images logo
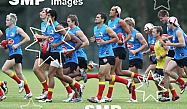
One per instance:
[(161, 4), (25, 2)]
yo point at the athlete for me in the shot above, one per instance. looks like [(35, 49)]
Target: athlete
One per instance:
[(39, 71), (14, 35), (180, 57), (104, 36)]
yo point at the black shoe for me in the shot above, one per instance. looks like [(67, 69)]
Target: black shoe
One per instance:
[(4, 87), (175, 98)]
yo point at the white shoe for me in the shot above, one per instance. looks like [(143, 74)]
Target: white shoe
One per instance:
[(45, 101), (81, 90), (42, 96), (129, 85), (94, 65), (132, 100), (27, 96), (2, 98), (145, 80), (21, 86), (83, 75), (95, 100), (107, 99), (70, 96), (157, 78)]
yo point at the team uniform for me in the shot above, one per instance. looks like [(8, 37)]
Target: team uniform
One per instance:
[(119, 49), (133, 44), (180, 52), (82, 57), (151, 42), (14, 38), (171, 52), (44, 32), (106, 54), (72, 61), (55, 37), (160, 63)]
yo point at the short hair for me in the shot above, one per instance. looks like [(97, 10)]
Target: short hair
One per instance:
[(74, 18), (159, 29), (12, 17), (53, 13), (103, 16), (64, 24), (163, 13), (130, 21)]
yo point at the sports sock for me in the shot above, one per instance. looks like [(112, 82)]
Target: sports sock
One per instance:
[(45, 86), (110, 90), (101, 89), (68, 88), (13, 76), (133, 91), (75, 84), (92, 76), (50, 93), (27, 90)]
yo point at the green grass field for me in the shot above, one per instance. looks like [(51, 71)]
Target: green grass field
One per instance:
[(14, 100)]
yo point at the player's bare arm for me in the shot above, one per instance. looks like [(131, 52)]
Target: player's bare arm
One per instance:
[(123, 25), (143, 42), (180, 37), (26, 38), (1, 33), (83, 37)]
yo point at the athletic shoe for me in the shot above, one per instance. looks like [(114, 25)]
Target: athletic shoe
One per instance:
[(83, 75), (175, 98), (95, 100), (129, 85), (70, 96), (157, 78), (145, 80), (77, 100), (45, 101), (4, 87), (164, 99), (132, 100), (2, 98), (106, 99), (94, 65), (81, 90), (42, 96), (21, 86), (27, 96), (182, 87)]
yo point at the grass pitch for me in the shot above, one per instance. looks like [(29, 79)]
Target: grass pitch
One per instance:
[(14, 100)]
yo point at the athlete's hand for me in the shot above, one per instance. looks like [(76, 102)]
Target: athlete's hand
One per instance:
[(92, 39), (69, 54), (101, 42), (144, 53), (158, 58), (133, 52), (15, 46), (168, 43), (54, 45)]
